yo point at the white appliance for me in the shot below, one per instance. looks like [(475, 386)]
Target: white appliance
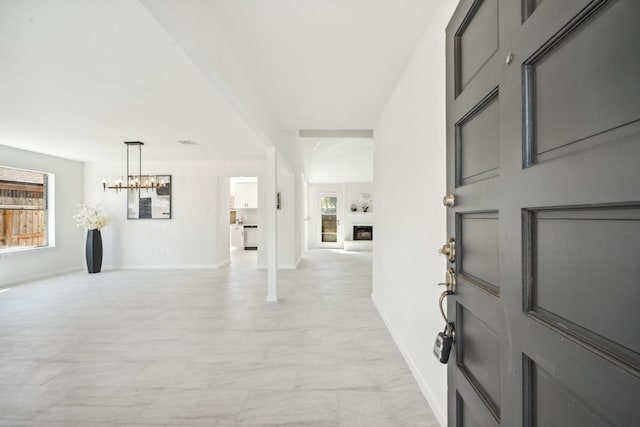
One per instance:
[(250, 237)]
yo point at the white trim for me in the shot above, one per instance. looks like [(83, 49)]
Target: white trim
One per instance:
[(291, 266), (358, 245), (163, 267), (46, 275), (318, 133), (426, 390), (271, 169), (17, 250), (51, 209)]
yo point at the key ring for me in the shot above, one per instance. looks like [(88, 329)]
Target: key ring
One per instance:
[(442, 297), (449, 325)]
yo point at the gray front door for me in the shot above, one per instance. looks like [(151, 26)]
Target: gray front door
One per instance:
[(543, 157)]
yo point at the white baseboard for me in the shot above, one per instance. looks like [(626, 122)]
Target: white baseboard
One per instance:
[(14, 282), (280, 267), (358, 245), (223, 263), (440, 414), (163, 267)]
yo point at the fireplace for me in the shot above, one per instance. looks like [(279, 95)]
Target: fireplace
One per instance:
[(362, 232)]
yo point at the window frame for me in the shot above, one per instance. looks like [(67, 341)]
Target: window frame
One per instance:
[(48, 210)]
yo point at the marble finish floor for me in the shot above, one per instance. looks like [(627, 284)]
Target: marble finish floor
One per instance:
[(152, 348)]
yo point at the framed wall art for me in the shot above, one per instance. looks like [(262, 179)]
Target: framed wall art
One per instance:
[(152, 200)]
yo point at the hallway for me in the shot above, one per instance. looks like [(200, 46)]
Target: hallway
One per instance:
[(166, 347)]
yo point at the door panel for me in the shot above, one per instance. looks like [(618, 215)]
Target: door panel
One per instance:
[(574, 253), (528, 7), (466, 417), (476, 41), (477, 142), (551, 403), (479, 258), (580, 83), (470, 409), (543, 145), (479, 358)]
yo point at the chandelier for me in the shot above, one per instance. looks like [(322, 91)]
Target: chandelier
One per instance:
[(134, 182)]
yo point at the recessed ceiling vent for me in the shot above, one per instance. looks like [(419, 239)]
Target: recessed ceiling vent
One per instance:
[(187, 142)]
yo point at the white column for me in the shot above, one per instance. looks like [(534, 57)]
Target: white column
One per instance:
[(272, 225)]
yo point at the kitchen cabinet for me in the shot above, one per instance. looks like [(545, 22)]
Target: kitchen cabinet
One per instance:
[(246, 196), (237, 236)]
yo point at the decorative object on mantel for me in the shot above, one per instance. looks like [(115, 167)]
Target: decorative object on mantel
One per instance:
[(93, 220), (138, 181), (365, 202), (354, 208)]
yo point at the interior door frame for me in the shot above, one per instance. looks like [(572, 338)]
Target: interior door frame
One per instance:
[(340, 233)]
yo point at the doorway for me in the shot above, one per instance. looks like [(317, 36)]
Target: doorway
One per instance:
[(330, 235), (243, 222)]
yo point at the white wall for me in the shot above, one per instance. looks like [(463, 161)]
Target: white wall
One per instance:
[(68, 253), (189, 239), (409, 163)]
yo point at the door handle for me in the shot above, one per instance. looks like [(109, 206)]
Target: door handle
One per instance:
[(449, 200), (449, 281)]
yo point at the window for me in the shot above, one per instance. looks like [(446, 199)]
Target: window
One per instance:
[(23, 209)]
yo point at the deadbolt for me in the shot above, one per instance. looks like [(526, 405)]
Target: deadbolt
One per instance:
[(449, 249), (449, 200)]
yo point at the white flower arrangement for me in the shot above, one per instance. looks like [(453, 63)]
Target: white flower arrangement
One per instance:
[(90, 217)]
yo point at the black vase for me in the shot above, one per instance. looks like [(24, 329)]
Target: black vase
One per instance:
[(94, 251)]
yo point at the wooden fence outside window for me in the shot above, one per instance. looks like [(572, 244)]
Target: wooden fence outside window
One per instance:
[(23, 215)]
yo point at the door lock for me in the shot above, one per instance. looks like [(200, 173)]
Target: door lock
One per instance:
[(449, 249)]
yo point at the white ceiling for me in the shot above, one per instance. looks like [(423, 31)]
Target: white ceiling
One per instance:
[(336, 160), (78, 77), (323, 64)]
